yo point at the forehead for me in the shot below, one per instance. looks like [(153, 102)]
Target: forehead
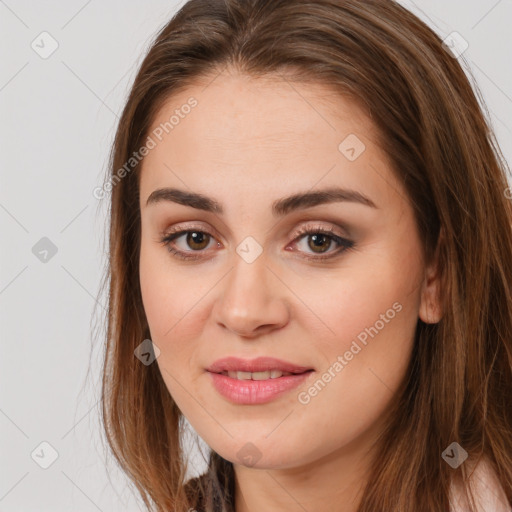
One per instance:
[(256, 136), (242, 107)]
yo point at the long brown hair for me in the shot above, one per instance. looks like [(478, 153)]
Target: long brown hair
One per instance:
[(459, 384)]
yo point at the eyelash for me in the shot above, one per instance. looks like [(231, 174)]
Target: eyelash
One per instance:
[(344, 244)]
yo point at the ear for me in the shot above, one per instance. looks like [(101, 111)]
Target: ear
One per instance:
[(430, 310)]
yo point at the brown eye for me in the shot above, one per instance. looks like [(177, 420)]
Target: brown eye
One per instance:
[(196, 240), (319, 242)]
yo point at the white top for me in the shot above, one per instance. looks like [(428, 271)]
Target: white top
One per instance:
[(489, 494)]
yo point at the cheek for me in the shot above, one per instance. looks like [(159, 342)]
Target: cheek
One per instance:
[(168, 305), (374, 322), (155, 291), (168, 295), (174, 304), (363, 295), (372, 314)]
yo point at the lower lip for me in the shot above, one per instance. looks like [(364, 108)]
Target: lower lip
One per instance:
[(252, 392)]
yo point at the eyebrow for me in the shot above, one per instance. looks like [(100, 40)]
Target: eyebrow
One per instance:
[(280, 207)]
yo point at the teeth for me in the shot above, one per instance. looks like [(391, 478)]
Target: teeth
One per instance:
[(243, 375), (269, 374), (260, 375)]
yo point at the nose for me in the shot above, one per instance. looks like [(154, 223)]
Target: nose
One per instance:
[(253, 300)]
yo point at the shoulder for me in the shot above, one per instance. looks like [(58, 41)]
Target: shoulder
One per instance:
[(488, 492)]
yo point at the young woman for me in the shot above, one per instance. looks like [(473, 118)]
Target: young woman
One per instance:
[(311, 262)]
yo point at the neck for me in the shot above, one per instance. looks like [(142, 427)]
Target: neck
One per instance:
[(334, 482)]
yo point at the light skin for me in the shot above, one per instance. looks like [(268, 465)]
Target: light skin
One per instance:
[(248, 143)]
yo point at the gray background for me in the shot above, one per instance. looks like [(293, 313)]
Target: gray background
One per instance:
[(58, 117)]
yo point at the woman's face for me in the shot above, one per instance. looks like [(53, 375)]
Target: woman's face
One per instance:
[(256, 286)]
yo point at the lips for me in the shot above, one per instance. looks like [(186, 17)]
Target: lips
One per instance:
[(258, 365), (256, 381)]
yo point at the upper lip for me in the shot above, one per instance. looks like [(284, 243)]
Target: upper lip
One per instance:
[(260, 364)]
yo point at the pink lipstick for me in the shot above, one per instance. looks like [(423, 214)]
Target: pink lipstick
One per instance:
[(256, 381)]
